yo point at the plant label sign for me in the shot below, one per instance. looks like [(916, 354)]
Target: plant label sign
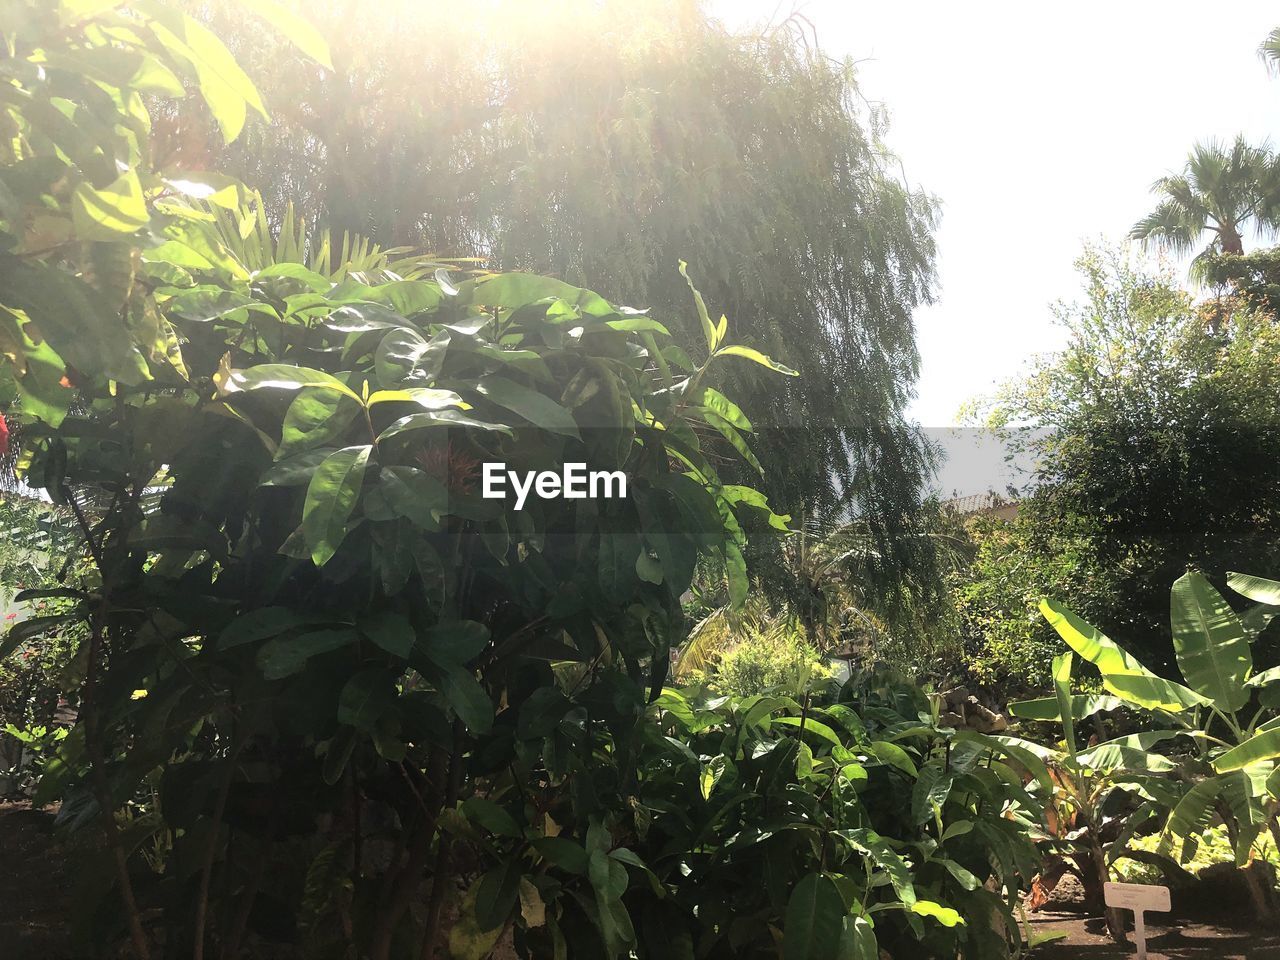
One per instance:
[(1138, 897)]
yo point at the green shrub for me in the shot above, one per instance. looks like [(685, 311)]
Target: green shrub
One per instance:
[(896, 832), (779, 660)]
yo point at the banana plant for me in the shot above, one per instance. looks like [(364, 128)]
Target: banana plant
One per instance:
[(1095, 800), (1225, 705)]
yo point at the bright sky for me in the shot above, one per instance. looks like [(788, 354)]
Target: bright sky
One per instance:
[(1039, 126)]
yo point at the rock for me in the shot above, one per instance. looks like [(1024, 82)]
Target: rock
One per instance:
[(950, 719), (955, 699), (983, 720)]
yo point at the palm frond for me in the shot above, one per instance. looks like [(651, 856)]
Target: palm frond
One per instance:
[(250, 237), (1269, 52)]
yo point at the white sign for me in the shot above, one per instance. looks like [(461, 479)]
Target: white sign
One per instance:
[(1138, 897)]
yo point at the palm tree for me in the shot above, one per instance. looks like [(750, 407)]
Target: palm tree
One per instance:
[(1269, 51), (1222, 189)]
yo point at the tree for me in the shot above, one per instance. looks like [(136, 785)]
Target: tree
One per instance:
[(81, 321), (300, 616), (1155, 433), (1252, 281), (1225, 190), (752, 155), (1269, 50)]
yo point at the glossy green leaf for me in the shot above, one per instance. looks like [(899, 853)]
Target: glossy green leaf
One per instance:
[(711, 775), (224, 86), (1090, 642), (1264, 679), (736, 571), (930, 792), (537, 408), (74, 320), (858, 940), (1210, 642), (1262, 746), (884, 856), (1191, 816), (809, 726), (414, 495), (284, 376), (366, 698), (316, 416), (468, 699), (1255, 588), (440, 418), (1047, 709), (404, 356), (1062, 690), (814, 920), (425, 397), (295, 471), (708, 328), (1153, 693), (894, 756), (285, 655), (1132, 752), (390, 631), (331, 496), (497, 895), (489, 815), (25, 630), (962, 876), (258, 625)]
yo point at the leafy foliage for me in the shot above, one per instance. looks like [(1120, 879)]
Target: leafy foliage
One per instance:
[(1006, 643), (779, 659), (306, 636), (751, 154), (850, 822), (1224, 190), (1226, 707), (1151, 432)]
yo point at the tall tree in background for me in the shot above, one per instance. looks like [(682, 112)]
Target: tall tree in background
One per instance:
[(1156, 436), (1224, 190), (608, 140)]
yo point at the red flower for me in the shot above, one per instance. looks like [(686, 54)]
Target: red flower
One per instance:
[(4, 436)]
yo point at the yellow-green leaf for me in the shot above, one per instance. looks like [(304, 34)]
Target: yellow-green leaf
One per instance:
[(737, 350), (105, 214), (944, 915), (300, 32)]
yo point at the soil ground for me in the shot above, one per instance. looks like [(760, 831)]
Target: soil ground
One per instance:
[(35, 898), (1167, 939), (35, 904)]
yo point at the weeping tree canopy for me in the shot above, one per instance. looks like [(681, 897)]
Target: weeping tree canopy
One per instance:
[(602, 139)]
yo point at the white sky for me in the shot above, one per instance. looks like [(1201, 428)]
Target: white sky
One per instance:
[(1039, 126)]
